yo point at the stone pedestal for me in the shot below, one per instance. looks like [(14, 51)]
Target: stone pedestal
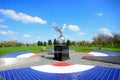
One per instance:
[(61, 52)]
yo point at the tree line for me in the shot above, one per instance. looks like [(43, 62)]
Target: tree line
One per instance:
[(10, 44), (101, 40), (14, 44)]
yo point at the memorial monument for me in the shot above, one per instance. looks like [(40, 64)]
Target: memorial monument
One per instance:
[(61, 51)]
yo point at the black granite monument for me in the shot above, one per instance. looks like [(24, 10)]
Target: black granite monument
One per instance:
[(61, 52)]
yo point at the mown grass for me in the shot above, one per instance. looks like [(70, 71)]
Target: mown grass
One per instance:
[(34, 49), (88, 49), (38, 49)]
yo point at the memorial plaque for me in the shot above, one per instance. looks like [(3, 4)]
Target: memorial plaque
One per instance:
[(61, 52)]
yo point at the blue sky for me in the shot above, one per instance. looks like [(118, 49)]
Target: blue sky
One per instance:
[(31, 20)]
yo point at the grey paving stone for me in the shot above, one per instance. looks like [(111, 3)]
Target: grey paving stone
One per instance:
[(44, 59)]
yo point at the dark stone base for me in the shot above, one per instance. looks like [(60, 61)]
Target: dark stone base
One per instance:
[(109, 59), (61, 53)]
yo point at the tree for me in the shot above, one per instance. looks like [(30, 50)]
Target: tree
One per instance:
[(73, 43), (68, 42), (55, 42), (11, 44), (105, 40), (39, 43), (49, 42), (44, 43), (116, 40), (19, 44)]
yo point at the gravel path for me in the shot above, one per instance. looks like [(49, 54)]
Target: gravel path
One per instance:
[(44, 59)]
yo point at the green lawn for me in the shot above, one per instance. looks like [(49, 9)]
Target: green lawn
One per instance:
[(88, 49), (37, 49), (34, 49)]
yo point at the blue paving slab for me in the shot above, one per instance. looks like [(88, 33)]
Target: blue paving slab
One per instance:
[(96, 73), (14, 55)]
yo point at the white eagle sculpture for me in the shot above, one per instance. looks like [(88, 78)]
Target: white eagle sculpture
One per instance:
[(61, 38)]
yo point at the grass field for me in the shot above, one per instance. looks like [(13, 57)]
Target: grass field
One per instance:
[(34, 49), (88, 49), (38, 49)]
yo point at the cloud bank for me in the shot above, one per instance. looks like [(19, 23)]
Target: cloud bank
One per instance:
[(1, 20), (105, 31), (9, 32), (26, 36), (73, 28), (3, 26), (22, 17)]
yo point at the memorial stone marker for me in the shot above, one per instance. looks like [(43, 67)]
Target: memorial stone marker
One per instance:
[(61, 51)]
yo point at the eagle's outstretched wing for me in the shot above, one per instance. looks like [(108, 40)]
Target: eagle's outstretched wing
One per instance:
[(55, 27), (63, 27)]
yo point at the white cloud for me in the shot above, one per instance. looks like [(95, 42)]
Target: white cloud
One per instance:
[(105, 31), (81, 33), (3, 26), (73, 28), (11, 33), (26, 35), (1, 20), (55, 35), (3, 32), (99, 14), (76, 29), (22, 17)]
